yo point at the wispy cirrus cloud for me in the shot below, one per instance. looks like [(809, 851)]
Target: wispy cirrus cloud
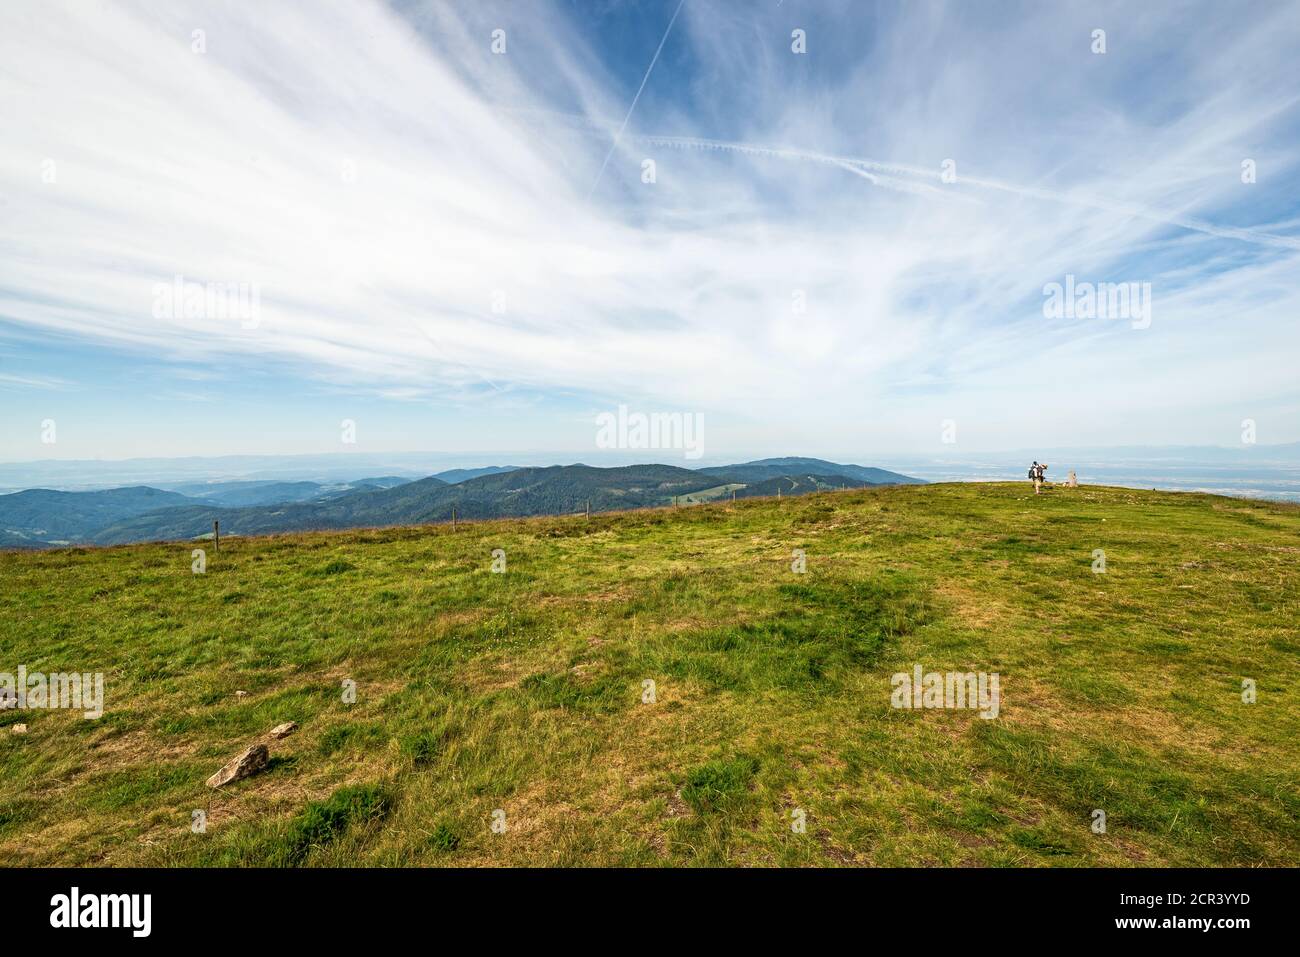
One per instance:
[(418, 210), (10, 380)]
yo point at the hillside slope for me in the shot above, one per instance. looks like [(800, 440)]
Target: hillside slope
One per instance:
[(798, 484), (41, 515), (404, 504), (526, 692)]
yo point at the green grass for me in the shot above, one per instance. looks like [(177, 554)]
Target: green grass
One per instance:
[(718, 785), (528, 692), (321, 823)]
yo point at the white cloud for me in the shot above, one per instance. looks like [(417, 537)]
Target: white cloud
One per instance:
[(388, 180)]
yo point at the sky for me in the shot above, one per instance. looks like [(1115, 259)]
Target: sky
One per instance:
[(820, 228)]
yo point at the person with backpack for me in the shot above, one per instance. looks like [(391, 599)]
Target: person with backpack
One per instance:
[(1033, 475), (1039, 469)]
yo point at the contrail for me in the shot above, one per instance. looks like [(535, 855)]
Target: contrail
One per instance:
[(1142, 212), (782, 152), (879, 174), (619, 134), (441, 350)]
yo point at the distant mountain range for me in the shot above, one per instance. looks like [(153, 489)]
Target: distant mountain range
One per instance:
[(275, 493), (452, 476), (42, 518), (766, 469)]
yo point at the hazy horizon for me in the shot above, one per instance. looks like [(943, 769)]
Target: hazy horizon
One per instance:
[(1260, 471)]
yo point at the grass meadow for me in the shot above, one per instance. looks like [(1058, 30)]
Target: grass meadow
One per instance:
[(501, 718)]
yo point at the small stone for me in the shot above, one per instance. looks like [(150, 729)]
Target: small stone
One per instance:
[(241, 694), (251, 760), (284, 730), (20, 729)]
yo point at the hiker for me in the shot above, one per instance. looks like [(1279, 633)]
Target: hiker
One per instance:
[(1040, 468), (1034, 475)]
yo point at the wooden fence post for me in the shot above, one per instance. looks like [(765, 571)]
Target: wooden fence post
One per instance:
[(453, 518), (216, 534)]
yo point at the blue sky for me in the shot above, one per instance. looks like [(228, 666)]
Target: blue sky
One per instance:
[(454, 248)]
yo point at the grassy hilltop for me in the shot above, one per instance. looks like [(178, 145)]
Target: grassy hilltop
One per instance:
[(523, 692)]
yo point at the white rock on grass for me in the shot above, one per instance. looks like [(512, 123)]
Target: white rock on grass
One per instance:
[(284, 730), (247, 763)]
